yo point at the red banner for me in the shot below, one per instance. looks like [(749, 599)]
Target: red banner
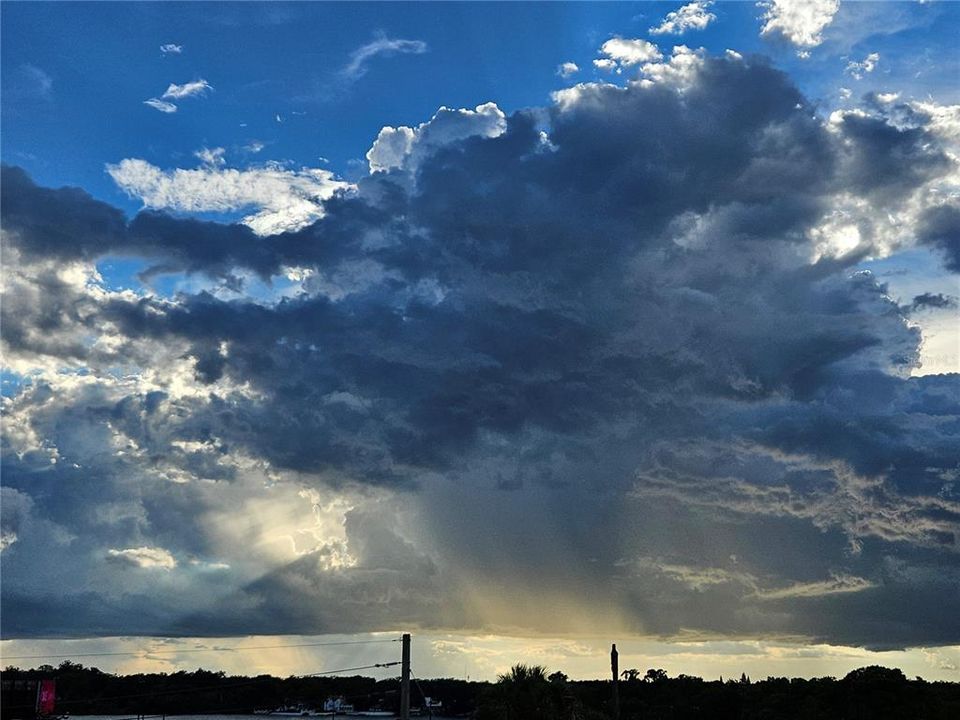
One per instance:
[(46, 697)]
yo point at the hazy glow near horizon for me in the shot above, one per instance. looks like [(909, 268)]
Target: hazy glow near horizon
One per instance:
[(484, 657)]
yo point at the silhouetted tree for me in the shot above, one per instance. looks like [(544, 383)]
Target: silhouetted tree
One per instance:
[(657, 675), (524, 693)]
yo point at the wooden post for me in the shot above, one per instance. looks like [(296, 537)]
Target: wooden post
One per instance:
[(405, 678), (615, 668)]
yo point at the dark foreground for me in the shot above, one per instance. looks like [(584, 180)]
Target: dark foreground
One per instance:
[(526, 693)]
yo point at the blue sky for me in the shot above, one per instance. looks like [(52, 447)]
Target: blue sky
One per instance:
[(522, 326), (286, 58)]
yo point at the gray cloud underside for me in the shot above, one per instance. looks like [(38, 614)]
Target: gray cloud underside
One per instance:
[(592, 383)]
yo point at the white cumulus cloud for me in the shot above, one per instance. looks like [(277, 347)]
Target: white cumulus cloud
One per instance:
[(693, 16), (397, 147), (281, 199), (799, 21), (630, 51), (171, 49), (567, 69)]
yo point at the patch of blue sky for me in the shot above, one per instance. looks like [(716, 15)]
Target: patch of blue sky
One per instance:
[(913, 272), (12, 383), (125, 273), (122, 273)]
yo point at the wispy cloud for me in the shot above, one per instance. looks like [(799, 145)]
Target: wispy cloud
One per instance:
[(383, 45), (196, 87), (27, 82), (161, 105), (211, 156), (171, 49), (144, 557), (838, 583), (693, 16), (857, 70)]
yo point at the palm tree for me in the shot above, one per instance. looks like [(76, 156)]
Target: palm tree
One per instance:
[(521, 674), (524, 693)]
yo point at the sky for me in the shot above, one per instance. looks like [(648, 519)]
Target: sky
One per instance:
[(524, 328)]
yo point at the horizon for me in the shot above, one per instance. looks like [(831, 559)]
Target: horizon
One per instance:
[(484, 657), (525, 331)]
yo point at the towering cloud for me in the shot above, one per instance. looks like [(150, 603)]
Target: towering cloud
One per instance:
[(801, 22), (608, 364)]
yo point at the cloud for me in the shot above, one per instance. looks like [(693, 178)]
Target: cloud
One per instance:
[(858, 69), (838, 584), (939, 227), (515, 330), (14, 513), (27, 83), (171, 49), (144, 557), (800, 22), (211, 156), (282, 199), (605, 64), (405, 147), (932, 301), (567, 69), (382, 45), (161, 105), (624, 52), (190, 89), (692, 16)]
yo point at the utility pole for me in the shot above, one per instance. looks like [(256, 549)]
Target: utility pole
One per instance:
[(405, 678), (615, 667)]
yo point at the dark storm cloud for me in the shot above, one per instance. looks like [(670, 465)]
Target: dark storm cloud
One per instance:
[(67, 223), (932, 301), (940, 229), (888, 161), (620, 321)]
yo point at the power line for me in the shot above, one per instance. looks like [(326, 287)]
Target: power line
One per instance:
[(193, 650), (362, 667)]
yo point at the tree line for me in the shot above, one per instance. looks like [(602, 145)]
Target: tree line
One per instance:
[(526, 692)]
